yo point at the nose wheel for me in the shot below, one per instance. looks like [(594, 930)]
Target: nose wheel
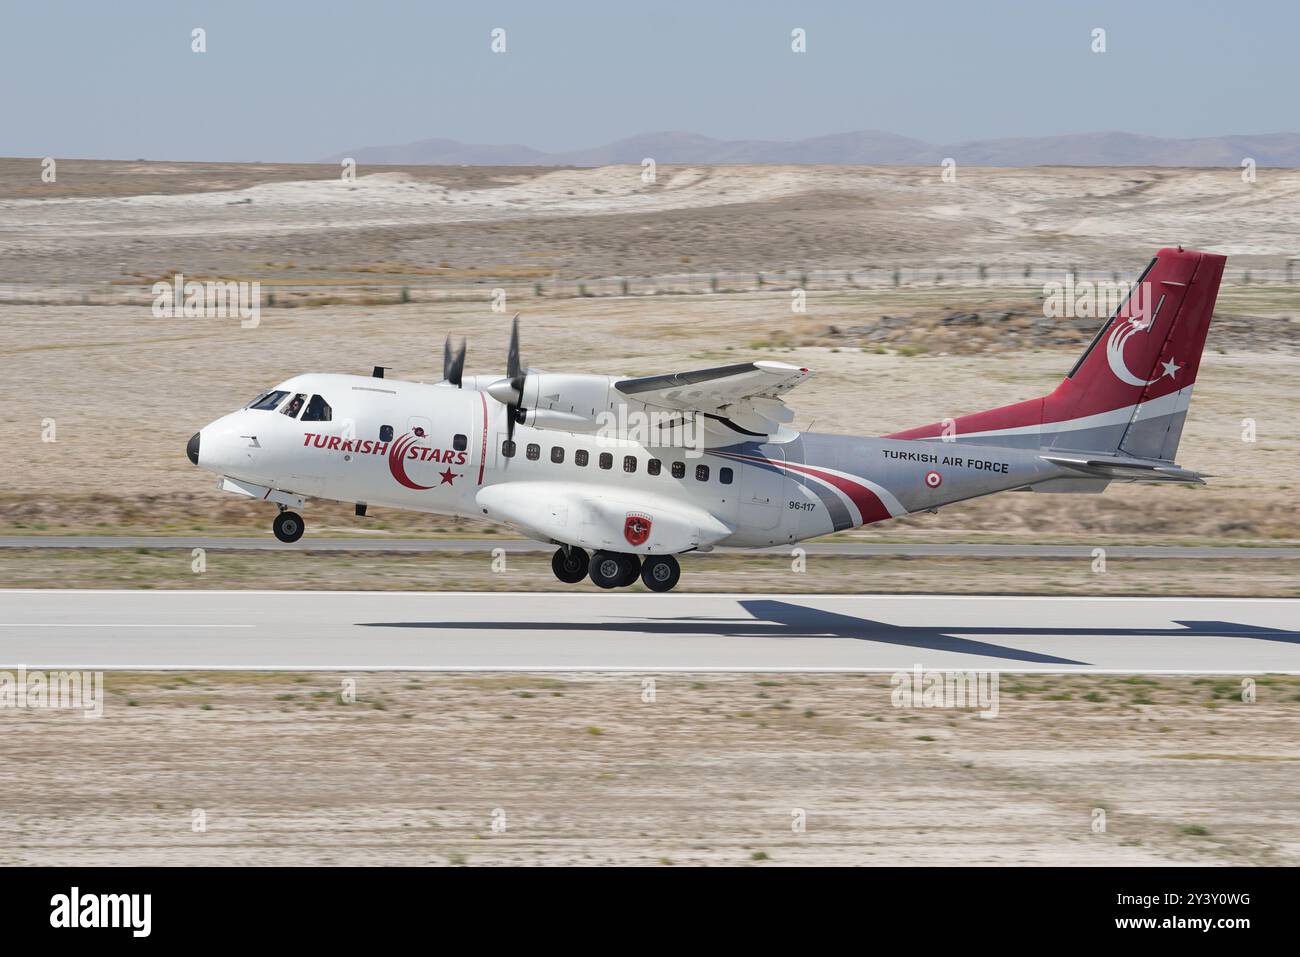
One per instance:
[(288, 527)]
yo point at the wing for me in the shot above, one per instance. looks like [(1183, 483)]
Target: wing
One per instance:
[(744, 397)]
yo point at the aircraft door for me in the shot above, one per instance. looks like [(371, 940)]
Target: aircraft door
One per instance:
[(762, 491)]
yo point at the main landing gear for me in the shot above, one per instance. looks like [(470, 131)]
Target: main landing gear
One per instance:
[(570, 564), (615, 569), (288, 526), (660, 572)]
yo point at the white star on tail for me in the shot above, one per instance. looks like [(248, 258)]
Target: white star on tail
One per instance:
[(1171, 368)]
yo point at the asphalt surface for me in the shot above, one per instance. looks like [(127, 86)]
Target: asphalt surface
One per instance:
[(865, 549), (578, 631)]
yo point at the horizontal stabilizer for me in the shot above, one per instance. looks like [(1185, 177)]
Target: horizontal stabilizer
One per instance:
[(1122, 469)]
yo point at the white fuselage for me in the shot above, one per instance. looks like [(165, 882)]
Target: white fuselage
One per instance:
[(436, 448)]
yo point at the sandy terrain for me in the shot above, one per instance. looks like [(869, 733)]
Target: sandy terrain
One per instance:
[(581, 770), (103, 222)]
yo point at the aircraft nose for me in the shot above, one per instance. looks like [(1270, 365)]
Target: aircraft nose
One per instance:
[(192, 448)]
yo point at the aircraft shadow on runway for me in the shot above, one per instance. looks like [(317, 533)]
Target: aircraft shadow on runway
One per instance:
[(781, 619)]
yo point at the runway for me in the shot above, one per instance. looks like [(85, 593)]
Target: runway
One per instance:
[(641, 632), (520, 546)]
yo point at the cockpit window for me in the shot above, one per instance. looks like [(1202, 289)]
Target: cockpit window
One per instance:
[(294, 405), (318, 410), (268, 401)]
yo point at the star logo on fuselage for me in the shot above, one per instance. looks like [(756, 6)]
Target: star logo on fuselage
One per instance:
[(449, 477)]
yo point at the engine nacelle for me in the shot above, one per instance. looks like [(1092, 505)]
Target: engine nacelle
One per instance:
[(581, 396), (561, 421)]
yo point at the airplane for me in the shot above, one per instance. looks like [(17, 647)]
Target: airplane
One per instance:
[(623, 474)]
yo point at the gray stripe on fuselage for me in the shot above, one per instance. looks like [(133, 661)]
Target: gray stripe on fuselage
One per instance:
[(836, 510)]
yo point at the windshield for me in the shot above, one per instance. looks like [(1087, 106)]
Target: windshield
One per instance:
[(294, 406), (268, 401), (318, 410)]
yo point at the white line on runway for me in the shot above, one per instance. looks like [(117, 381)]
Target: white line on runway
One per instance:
[(625, 596), (124, 624)]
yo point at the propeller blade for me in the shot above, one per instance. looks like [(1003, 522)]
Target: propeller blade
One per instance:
[(513, 365), (453, 363), (510, 390)]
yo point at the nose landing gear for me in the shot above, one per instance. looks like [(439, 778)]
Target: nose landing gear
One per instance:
[(288, 526)]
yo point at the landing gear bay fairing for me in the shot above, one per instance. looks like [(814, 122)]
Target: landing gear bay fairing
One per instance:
[(625, 474)]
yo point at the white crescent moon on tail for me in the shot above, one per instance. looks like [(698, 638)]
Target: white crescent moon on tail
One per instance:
[(1115, 351)]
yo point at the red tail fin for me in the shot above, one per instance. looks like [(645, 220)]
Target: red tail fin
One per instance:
[(1129, 391)]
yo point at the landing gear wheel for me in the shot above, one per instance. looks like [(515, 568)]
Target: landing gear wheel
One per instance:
[(632, 569), (288, 527), (570, 567), (660, 572), (608, 569)]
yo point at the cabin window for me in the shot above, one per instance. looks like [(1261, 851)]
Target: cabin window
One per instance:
[(606, 460), (318, 410), (629, 463), (701, 473), (267, 401), (294, 405), (654, 466), (385, 433), (581, 458), (725, 475), (459, 442), (534, 451), (679, 470), (557, 455), (507, 448)]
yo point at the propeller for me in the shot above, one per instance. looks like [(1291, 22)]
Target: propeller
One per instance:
[(453, 363), (510, 390)]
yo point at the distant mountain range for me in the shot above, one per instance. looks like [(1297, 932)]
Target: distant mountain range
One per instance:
[(864, 148)]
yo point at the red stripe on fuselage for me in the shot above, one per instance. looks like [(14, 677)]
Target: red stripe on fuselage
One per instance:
[(482, 457), (867, 502)]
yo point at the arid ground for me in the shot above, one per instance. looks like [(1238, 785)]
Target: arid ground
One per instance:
[(715, 769)]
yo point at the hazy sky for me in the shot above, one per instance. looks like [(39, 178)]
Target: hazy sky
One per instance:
[(305, 80)]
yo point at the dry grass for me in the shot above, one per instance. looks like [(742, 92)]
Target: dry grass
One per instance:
[(582, 769), (473, 571)]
